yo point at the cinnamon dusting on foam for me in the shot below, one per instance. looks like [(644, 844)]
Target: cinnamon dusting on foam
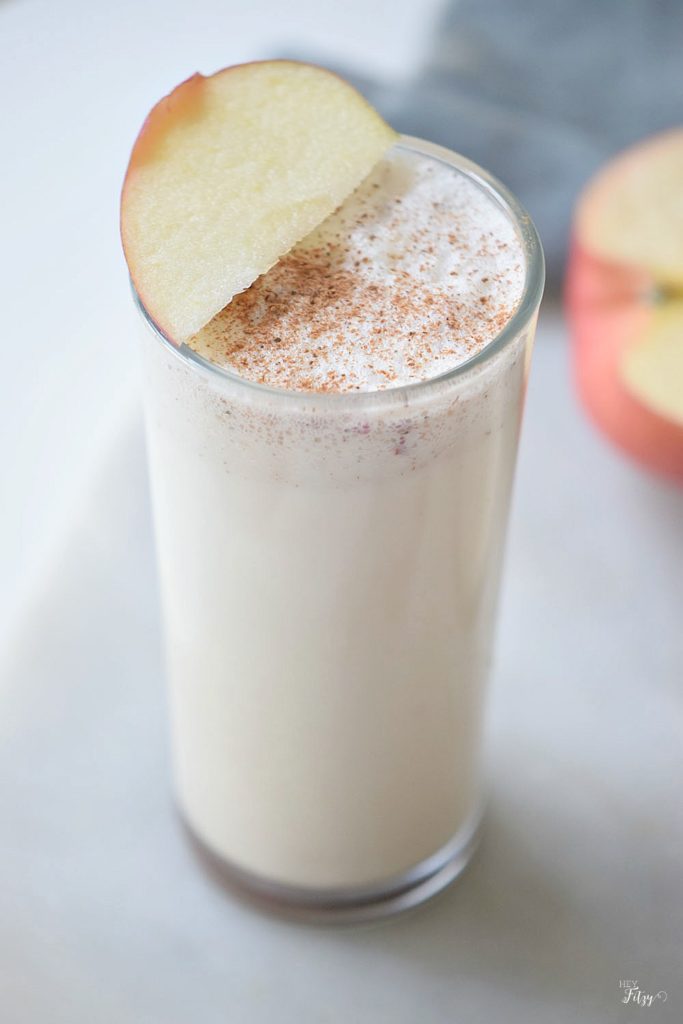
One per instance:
[(415, 273)]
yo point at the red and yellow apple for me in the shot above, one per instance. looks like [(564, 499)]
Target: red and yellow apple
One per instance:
[(624, 300), (229, 172)]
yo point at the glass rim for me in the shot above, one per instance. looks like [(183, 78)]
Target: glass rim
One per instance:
[(526, 309)]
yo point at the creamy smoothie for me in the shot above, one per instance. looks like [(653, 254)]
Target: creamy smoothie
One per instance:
[(330, 513)]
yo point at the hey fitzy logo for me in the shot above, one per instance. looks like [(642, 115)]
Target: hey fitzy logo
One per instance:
[(633, 993)]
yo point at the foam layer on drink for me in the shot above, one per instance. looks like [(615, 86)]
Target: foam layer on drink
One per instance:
[(416, 272)]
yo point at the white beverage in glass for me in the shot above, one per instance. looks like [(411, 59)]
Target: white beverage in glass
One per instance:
[(331, 467)]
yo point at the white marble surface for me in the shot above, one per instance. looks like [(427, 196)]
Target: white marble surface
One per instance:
[(104, 915)]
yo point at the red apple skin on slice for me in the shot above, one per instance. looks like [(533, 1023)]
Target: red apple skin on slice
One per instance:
[(609, 308), (180, 104)]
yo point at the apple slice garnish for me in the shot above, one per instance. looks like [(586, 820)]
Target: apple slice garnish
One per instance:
[(625, 301), (229, 172)]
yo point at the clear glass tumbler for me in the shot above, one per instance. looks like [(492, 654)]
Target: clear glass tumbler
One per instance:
[(329, 569)]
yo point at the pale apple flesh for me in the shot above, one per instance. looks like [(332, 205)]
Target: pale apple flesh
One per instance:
[(229, 172), (632, 212), (652, 367), (624, 302)]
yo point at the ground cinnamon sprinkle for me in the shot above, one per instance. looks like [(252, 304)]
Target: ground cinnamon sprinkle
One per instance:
[(414, 274)]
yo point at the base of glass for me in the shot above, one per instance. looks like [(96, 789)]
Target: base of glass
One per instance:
[(346, 905)]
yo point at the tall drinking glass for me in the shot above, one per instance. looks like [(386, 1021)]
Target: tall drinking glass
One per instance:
[(330, 567)]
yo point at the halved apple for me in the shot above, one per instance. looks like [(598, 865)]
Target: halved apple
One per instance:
[(625, 301), (229, 172)]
